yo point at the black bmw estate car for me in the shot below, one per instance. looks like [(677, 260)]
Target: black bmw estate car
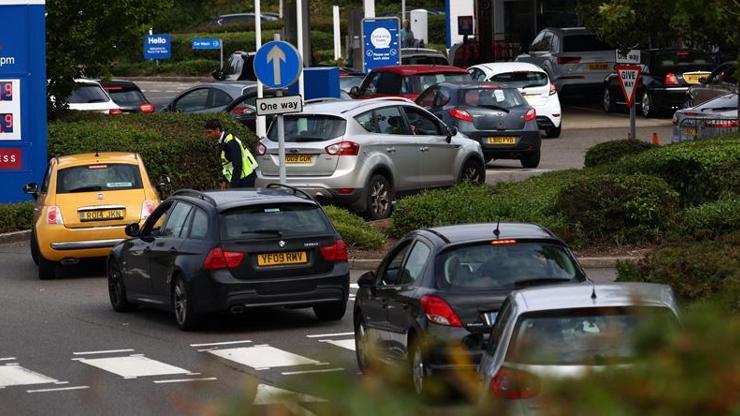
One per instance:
[(228, 251)]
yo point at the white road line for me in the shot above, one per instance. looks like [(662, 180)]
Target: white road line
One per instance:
[(7, 359), (325, 370), (348, 344), (220, 343), (133, 366), (338, 334), (15, 375), (185, 380), (103, 352), (58, 389), (263, 357), (354, 286), (267, 394)]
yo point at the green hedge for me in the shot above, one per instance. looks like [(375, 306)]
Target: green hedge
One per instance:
[(709, 220), (354, 230), (195, 67), (612, 151), (14, 217), (618, 209)]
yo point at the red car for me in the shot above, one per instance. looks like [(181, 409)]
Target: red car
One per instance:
[(407, 81)]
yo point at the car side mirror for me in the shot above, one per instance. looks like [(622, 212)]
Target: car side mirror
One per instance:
[(354, 91), (164, 181), (367, 280), (31, 189), (451, 131), (133, 230)]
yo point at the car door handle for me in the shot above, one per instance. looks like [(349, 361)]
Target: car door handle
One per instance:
[(390, 149), (424, 149)]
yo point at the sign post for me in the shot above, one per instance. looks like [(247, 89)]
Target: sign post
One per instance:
[(278, 64), (629, 77), (209, 44), (381, 42)]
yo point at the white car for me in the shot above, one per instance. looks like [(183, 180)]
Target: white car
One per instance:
[(89, 95), (533, 83)]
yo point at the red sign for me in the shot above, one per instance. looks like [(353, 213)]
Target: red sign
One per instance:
[(629, 78), (10, 158)]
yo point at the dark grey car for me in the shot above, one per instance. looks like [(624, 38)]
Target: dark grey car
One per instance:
[(721, 81)]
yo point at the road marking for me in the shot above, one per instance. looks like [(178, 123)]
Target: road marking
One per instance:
[(220, 343), (354, 286), (267, 394), (348, 344), (102, 352), (7, 359), (58, 389), (263, 357), (339, 334), (15, 375), (186, 380), (325, 370), (133, 366)]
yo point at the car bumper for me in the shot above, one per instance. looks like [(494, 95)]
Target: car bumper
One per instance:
[(57, 243), (669, 99), (527, 141), (336, 190)]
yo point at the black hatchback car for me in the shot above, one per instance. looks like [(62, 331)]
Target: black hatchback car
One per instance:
[(440, 289), (229, 251), (497, 117)]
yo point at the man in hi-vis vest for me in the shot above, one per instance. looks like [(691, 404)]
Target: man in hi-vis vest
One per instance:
[(237, 161)]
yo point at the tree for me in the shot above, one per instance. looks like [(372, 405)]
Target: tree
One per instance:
[(83, 38)]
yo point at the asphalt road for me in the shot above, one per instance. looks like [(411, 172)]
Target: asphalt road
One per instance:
[(64, 351)]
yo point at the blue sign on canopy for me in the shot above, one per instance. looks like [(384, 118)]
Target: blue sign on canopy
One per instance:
[(277, 64), (381, 43), (157, 47), (206, 43)]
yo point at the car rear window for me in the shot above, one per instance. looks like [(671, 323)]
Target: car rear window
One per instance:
[(584, 336), (682, 58), (506, 264), (98, 177), (88, 94), (127, 97), (427, 80), (521, 79), (584, 43), (491, 97), (274, 220), (309, 128)]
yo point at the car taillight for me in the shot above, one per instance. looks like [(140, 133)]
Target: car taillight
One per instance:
[(439, 312), (553, 88), (218, 258), (335, 252), (513, 384), (460, 114), (344, 148), (531, 115), (147, 207), (670, 79), (569, 60), (239, 111), (115, 111), (721, 124), (146, 108), (261, 149), (54, 215)]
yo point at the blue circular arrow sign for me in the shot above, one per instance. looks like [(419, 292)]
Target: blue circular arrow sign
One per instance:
[(277, 64)]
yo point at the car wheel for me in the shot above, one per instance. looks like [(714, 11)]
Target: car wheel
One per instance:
[(185, 317), (553, 132), (608, 101), (379, 198), (362, 345), (417, 364), (34, 248), (473, 173), (330, 311), (646, 105), (117, 290), (531, 160), (47, 269)]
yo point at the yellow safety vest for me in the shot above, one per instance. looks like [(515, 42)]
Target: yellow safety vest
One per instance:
[(249, 164)]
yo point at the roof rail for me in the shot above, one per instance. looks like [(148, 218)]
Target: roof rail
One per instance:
[(195, 194), (296, 191), (366, 102), (321, 100)]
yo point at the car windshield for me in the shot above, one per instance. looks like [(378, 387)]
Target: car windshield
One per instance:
[(427, 80), (584, 43), (98, 177), (585, 336), (501, 98), (506, 264), (309, 128), (274, 220), (130, 97), (521, 79), (86, 94)]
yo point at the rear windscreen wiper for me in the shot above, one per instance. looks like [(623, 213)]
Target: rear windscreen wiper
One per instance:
[(86, 189), (540, 281), (273, 232), (495, 107)]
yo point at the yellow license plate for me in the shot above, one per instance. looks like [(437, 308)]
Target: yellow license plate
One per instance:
[(299, 159), (278, 259), (690, 131), (694, 78), (598, 67), (103, 215), (501, 140)]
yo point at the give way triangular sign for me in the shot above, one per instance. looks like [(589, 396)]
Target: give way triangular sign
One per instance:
[(629, 76)]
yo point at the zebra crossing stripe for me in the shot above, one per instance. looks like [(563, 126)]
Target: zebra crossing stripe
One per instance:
[(348, 344), (263, 357), (133, 366), (15, 375)]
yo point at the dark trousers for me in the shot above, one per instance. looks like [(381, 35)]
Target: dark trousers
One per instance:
[(247, 182)]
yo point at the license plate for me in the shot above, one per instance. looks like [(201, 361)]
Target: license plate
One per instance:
[(694, 78), (103, 215), (501, 140), (279, 259), (298, 159), (690, 131), (598, 67)]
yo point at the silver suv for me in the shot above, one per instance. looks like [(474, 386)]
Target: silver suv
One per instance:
[(362, 153)]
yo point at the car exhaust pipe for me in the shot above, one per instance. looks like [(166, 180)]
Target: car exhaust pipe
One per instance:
[(237, 309), (69, 261)]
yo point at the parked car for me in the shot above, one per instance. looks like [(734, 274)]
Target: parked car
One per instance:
[(89, 95), (574, 58), (128, 96), (534, 84), (406, 81), (231, 251), (438, 290), (83, 204), (346, 83), (241, 18), (362, 153), (238, 67), (715, 117), (720, 81), (423, 56), (500, 119), (666, 76), (565, 331)]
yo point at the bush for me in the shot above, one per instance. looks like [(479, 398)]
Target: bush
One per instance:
[(354, 230), (710, 220), (620, 209), (610, 152), (15, 217), (696, 271), (195, 67)]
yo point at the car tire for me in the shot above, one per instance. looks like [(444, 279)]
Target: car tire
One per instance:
[(379, 198), (117, 290), (647, 106), (47, 269), (553, 132), (531, 160), (330, 311), (187, 319), (418, 370), (608, 100), (362, 352), (472, 173), (34, 248)]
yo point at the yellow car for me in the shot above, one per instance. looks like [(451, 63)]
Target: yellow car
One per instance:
[(84, 204)]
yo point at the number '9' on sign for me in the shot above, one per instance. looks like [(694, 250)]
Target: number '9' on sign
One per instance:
[(6, 123), (6, 91)]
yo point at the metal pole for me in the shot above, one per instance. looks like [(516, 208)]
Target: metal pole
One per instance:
[(281, 135), (221, 44), (299, 31), (369, 6), (337, 33), (280, 12), (260, 122), (403, 11), (632, 121)]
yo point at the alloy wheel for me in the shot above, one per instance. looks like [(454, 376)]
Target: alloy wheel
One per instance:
[(379, 200), (471, 174), (115, 286), (361, 346), (181, 302), (417, 371), (606, 101), (646, 105)]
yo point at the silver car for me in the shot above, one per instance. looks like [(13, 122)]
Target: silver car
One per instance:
[(564, 331), (715, 117), (574, 58), (362, 153)]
